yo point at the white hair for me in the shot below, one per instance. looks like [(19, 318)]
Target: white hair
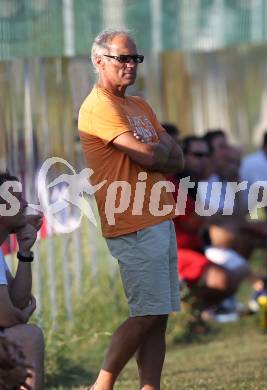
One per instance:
[(103, 40)]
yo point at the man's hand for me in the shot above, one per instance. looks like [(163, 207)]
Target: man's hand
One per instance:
[(141, 139), (29, 310), (161, 150), (26, 237), (169, 153), (35, 220), (146, 154), (138, 137), (175, 162)]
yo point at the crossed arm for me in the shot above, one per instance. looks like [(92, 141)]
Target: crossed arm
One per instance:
[(164, 156), (175, 162), (10, 314)]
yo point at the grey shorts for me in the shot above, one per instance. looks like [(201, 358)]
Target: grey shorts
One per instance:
[(148, 267)]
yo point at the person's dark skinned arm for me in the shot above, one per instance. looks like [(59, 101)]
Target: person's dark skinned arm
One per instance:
[(21, 286), (11, 315)]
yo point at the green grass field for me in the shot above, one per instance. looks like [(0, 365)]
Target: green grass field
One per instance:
[(232, 356)]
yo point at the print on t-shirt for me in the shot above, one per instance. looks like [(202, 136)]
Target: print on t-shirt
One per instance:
[(143, 127)]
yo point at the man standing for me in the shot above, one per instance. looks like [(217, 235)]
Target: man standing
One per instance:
[(125, 145)]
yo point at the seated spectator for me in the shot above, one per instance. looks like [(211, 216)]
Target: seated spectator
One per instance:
[(253, 169), (16, 301), (228, 227), (209, 282), (231, 238), (254, 166)]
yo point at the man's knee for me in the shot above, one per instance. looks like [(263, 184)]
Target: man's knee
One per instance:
[(36, 338), (29, 337), (32, 340), (36, 334)]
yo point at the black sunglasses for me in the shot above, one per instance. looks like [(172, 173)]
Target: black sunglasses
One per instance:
[(125, 59), (199, 154)]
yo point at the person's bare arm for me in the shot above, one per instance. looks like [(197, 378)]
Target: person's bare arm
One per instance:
[(21, 286), (11, 315), (148, 155), (165, 156), (175, 162)]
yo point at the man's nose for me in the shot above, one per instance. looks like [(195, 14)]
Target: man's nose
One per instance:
[(131, 63)]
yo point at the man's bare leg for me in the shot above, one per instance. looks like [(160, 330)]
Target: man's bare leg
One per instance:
[(124, 343), (151, 354), (30, 338)]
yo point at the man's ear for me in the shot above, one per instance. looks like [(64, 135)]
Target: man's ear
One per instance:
[(99, 62)]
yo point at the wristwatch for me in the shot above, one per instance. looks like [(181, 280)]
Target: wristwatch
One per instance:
[(26, 259)]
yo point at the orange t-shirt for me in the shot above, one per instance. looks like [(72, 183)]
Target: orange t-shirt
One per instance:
[(123, 210)]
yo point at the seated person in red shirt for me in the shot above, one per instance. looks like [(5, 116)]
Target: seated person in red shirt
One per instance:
[(229, 227), (211, 282)]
